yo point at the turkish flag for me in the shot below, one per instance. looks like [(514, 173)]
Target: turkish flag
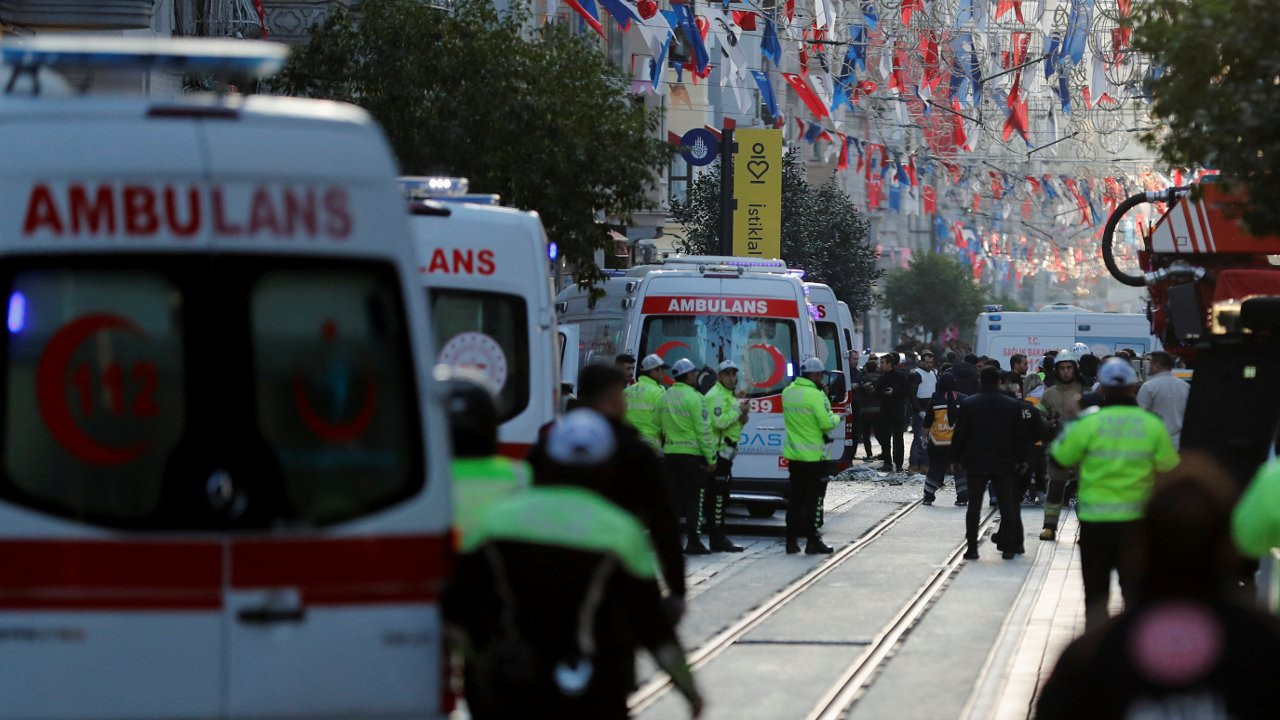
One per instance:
[(744, 19), (806, 93)]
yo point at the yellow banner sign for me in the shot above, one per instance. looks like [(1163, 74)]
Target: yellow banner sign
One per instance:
[(757, 187)]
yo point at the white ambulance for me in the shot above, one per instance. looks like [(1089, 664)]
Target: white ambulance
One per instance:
[(1001, 335), (225, 489), (600, 322), (754, 312), (833, 346), (487, 273)]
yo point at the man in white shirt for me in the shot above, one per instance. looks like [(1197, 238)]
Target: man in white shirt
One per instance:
[(926, 385), (1165, 395)]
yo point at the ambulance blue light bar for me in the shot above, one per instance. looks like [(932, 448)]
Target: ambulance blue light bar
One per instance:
[(445, 189), (213, 56)]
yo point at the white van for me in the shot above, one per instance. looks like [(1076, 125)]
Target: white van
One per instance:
[(487, 273), (1002, 335), (724, 309), (833, 347), (225, 489)]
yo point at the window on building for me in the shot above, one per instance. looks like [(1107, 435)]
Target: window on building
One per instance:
[(679, 180)]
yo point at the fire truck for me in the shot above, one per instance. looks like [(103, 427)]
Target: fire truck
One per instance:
[(1214, 302)]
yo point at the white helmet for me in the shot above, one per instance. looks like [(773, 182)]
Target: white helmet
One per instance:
[(682, 366), (812, 365), (1080, 350), (581, 438), (1065, 356)]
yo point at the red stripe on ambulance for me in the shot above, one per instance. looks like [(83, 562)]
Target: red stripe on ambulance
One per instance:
[(741, 306), (177, 575)]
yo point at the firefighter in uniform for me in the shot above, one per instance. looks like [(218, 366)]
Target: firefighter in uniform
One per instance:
[(644, 398), (1060, 405), (806, 412), (480, 475), (689, 447), (1118, 448), (728, 413)]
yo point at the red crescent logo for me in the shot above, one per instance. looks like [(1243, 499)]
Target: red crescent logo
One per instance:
[(779, 365), (335, 433), (662, 351), (51, 395)]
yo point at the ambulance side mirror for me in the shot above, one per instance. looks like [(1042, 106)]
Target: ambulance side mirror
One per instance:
[(837, 386)]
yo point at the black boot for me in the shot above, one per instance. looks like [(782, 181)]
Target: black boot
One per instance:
[(972, 553), (695, 547), (815, 546), (793, 546), (722, 543)]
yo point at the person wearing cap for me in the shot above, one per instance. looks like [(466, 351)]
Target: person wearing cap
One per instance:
[(1118, 448), (644, 400), (806, 413), (538, 564), (690, 448), (1060, 405), (480, 475), (637, 481), (728, 413)]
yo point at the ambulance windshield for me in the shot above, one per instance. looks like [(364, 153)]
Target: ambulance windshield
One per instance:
[(764, 349), (829, 346)]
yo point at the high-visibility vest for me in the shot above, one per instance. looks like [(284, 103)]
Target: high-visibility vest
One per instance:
[(479, 482), (644, 403), (806, 413), (685, 426), (726, 419)]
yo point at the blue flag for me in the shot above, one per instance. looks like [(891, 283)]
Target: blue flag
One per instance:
[(766, 91), (769, 43), (690, 27)]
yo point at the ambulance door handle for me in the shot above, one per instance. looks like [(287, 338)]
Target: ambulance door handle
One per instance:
[(268, 615)]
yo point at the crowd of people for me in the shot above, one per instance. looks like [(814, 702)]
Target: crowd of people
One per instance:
[(598, 506)]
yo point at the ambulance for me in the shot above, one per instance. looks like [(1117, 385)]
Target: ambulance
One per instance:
[(1001, 335), (710, 309), (225, 489), (833, 345), (487, 275), (599, 323)]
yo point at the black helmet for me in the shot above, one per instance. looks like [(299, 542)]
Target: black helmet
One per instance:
[(472, 411)]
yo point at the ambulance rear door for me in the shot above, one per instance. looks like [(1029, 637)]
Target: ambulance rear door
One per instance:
[(833, 350), (332, 608), (109, 607), (487, 276), (1105, 333)]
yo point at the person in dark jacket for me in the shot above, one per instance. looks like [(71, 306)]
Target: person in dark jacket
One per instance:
[(966, 374), (636, 481), (868, 405), (990, 444), (894, 392)]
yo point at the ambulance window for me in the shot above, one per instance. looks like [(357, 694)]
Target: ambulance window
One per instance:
[(490, 333), (94, 390), (829, 334), (599, 340), (335, 389), (763, 348)]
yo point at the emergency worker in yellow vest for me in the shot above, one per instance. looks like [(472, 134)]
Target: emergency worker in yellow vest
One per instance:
[(944, 410), (690, 448), (480, 476), (728, 413), (644, 400), (1119, 448), (1060, 404), (806, 412)]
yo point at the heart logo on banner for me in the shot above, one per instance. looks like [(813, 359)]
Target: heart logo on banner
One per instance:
[(758, 168)]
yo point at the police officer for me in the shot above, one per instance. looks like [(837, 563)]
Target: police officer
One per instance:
[(1060, 404), (989, 441), (1118, 448), (690, 448), (806, 412), (644, 398), (728, 413), (554, 591), (480, 475)]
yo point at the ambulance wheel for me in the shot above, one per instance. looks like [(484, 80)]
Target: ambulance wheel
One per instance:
[(760, 510)]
